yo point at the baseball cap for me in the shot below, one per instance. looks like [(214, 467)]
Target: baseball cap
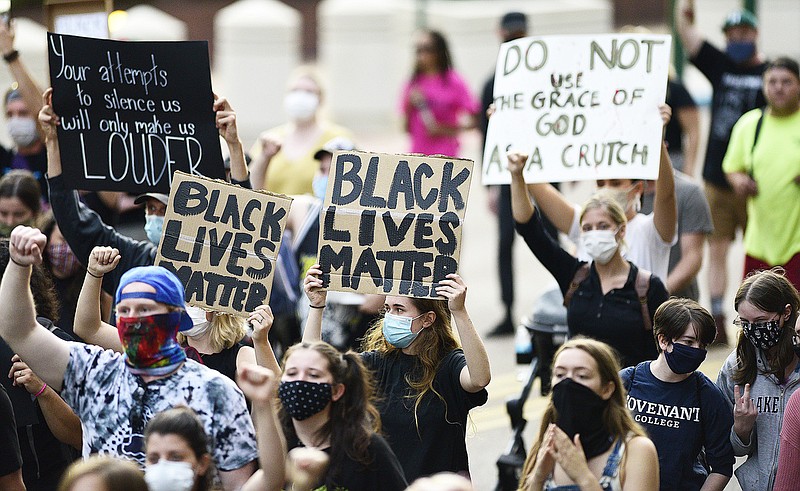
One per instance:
[(144, 197), (514, 22), (169, 289), (338, 143), (740, 18)]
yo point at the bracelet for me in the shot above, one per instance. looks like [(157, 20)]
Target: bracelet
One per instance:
[(11, 56), (18, 264), (40, 391), (316, 307), (92, 274)]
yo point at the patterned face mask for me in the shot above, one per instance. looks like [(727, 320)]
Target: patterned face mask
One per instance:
[(150, 343), (63, 262), (302, 399), (763, 335)]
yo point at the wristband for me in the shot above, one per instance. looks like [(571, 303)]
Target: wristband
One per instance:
[(11, 56), (92, 274), (18, 264), (40, 391), (316, 307)]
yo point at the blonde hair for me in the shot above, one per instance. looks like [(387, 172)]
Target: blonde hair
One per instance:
[(616, 418), (116, 474), (604, 199), (224, 331)]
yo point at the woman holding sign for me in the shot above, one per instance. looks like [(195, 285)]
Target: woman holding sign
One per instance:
[(436, 98), (426, 383), (609, 299)]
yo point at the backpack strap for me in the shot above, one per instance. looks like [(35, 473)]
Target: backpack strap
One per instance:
[(580, 274), (642, 286), (755, 140)]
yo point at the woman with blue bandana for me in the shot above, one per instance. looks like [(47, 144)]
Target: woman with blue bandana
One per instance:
[(115, 394), (425, 381)]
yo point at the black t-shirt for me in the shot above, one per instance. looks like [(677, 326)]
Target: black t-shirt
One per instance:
[(678, 98), (224, 362), (436, 441), (36, 163), (384, 472), (737, 89), (10, 458)]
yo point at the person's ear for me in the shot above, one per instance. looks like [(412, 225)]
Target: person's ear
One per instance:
[(203, 465), (621, 232), (337, 392), (428, 318), (787, 312), (663, 343), (607, 390), (638, 187)]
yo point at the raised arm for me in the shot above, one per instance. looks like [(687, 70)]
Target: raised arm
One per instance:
[(62, 421), (686, 269), (690, 36), (665, 211), (261, 319), (689, 119), (88, 323), (477, 374), (521, 206), (270, 145), (316, 302), (553, 205), (259, 384), (226, 122), (44, 352), (30, 90)]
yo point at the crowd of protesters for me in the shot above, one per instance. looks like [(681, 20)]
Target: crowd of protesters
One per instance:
[(114, 382)]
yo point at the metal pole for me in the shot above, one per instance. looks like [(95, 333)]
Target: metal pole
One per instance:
[(678, 60)]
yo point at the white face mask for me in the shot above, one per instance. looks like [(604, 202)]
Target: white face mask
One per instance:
[(167, 475), (22, 130), (600, 245), (199, 323), (621, 197), (301, 105)]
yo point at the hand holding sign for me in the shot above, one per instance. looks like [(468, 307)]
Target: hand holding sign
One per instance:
[(48, 120), (312, 285), (261, 319), (454, 290), (225, 119)]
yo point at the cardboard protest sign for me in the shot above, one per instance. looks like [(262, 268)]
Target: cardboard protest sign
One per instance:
[(582, 107), (391, 224), (132, 113), (222, 242)]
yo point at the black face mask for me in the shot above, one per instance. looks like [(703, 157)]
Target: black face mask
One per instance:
[(580, 410), (302, 399)]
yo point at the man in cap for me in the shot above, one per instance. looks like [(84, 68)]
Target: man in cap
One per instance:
[(735, 76), (83, 228), (115, 394), (762, 166)]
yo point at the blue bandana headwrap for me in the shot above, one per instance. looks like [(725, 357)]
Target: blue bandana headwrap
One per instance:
[(169, 289)]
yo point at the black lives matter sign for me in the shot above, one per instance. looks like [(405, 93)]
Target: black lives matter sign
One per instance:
[(222, 242), (391, 224), (132, 113)]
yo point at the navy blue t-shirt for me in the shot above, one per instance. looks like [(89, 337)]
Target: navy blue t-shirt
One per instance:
[(681, 418)]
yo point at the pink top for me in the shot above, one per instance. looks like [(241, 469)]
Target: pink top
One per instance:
[(789, 458), (448, 97)]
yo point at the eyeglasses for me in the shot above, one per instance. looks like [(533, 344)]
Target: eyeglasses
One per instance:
[(747, 325)]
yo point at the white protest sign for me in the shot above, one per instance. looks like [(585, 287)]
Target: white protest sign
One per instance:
[(582, 107)]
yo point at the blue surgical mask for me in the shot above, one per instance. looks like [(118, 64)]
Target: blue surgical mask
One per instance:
[(684, 359), (397, 330), (320, 185), (153, 226), (740, 51)]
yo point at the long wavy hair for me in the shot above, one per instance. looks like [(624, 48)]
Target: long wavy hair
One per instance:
[(616, 417), (224, 331), (438, 340), (353, 418), (769, 291)]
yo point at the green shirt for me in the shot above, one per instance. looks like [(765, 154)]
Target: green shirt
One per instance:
[(773, 224)]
